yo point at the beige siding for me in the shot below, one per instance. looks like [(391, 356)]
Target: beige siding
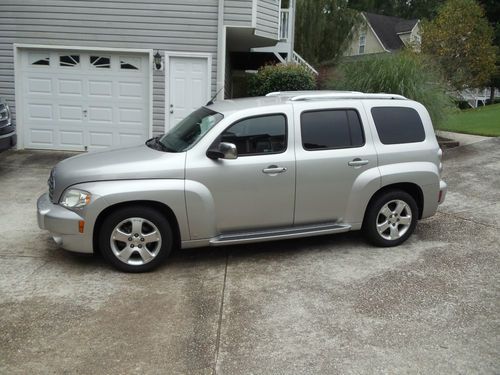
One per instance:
[(372, 44), (172, 25)]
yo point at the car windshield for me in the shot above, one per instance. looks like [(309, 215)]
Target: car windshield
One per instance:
[(187, 132)]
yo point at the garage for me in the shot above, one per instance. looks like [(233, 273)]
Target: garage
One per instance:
[(83, 100)]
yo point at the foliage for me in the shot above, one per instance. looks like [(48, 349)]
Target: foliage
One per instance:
[(281, 77), (406, 73), (460, 38), (409, 9), (322, 29), (480, 121)]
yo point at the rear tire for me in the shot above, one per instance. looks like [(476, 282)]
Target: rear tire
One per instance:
[(390, 218), (135, 239)]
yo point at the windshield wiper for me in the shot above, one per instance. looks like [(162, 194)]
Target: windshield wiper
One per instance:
[(157, 145)]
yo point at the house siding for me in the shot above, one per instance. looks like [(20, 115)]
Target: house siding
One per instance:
[(173, 25), (238, 12), (268, 18)]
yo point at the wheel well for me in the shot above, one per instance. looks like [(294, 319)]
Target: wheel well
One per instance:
[(413, 189), (162, 208)]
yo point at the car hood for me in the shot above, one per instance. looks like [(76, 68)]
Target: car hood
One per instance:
[(132, 163)]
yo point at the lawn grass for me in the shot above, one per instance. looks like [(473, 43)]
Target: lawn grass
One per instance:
[(480, 121)]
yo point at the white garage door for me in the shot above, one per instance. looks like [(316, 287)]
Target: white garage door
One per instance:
[(84, 100)]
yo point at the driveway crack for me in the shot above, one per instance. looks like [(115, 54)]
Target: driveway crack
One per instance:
[(221, 310)]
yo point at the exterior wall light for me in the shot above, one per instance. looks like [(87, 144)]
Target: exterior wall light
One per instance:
[(158, 61)]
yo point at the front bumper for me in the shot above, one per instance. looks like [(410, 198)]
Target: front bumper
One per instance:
[(63, 225), (7, 140)]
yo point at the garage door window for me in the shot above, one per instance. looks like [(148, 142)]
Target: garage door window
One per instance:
[(41, 61), (69, 60), (101, 62), (129, 64)]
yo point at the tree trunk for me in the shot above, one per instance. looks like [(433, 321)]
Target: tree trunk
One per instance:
[(492, 94)]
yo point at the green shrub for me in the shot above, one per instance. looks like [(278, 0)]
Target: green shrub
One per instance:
[(406, 73), (281, 77)]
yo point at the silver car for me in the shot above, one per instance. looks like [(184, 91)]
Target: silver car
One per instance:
[(288, 165)]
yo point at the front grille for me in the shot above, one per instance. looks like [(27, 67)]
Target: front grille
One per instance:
[(51, 182)]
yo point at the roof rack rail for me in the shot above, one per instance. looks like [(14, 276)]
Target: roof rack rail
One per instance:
[(346, 96), (291, 94), (325, 95)]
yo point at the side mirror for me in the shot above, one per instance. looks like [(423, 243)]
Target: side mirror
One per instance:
[(225, 150)]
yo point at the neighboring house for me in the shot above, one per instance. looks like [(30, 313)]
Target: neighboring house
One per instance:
[(381, 34), (86, 75)]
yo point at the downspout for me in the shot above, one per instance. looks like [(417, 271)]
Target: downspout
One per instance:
[(221, 52)]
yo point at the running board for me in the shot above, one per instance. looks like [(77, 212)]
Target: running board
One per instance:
[(279, 234)]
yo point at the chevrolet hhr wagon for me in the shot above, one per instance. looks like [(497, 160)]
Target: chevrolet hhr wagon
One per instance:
[(288, 165)]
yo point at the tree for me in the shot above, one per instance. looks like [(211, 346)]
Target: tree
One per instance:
[(460, 38), (407, 73), (322, 29), (410, 9), (492, 10)]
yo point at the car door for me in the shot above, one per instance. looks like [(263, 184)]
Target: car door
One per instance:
[(333, 149), (256, 190)]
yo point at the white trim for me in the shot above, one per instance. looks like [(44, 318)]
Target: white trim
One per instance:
[(254, 14), (18, 98), (220, 78), (168, 55), (374, 33)]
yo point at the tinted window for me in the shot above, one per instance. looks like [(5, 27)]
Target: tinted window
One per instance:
[(326, 129), (398, 125), (257, 135)]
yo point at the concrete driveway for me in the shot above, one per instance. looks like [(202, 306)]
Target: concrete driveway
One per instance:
[(323, 305)]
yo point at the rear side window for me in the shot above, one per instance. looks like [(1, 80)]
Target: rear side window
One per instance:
[(330, 129), (398, 125)]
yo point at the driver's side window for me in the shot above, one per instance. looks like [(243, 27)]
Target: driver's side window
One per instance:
[(258, 135)]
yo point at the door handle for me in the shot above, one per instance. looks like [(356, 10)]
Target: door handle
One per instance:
[(274, 169), (357, 162)]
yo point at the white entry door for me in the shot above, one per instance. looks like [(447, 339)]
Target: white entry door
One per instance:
[(188, 86), (84, 100)]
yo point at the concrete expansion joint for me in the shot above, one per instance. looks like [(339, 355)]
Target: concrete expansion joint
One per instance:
[(221, 311), (457, 216)]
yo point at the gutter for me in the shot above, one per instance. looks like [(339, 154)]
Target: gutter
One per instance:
[(221, 52)]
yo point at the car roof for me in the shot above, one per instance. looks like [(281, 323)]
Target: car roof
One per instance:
[(284, 97)]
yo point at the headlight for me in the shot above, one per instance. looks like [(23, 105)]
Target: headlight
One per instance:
[(74, 198)]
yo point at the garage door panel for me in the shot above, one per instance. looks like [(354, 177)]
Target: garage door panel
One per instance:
[(41, 137), (39, 86), (128, 90), (100, 140), (100, 114), (130, 116), (70, 87), (40, 112), (101, 89), (127, 139), (77, 100), (71, 138), (71, 113)]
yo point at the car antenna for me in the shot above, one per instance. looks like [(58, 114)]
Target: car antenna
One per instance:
[(211, 101)]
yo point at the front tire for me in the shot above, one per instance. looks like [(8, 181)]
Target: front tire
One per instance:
[(390, 218), (135, 239)]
